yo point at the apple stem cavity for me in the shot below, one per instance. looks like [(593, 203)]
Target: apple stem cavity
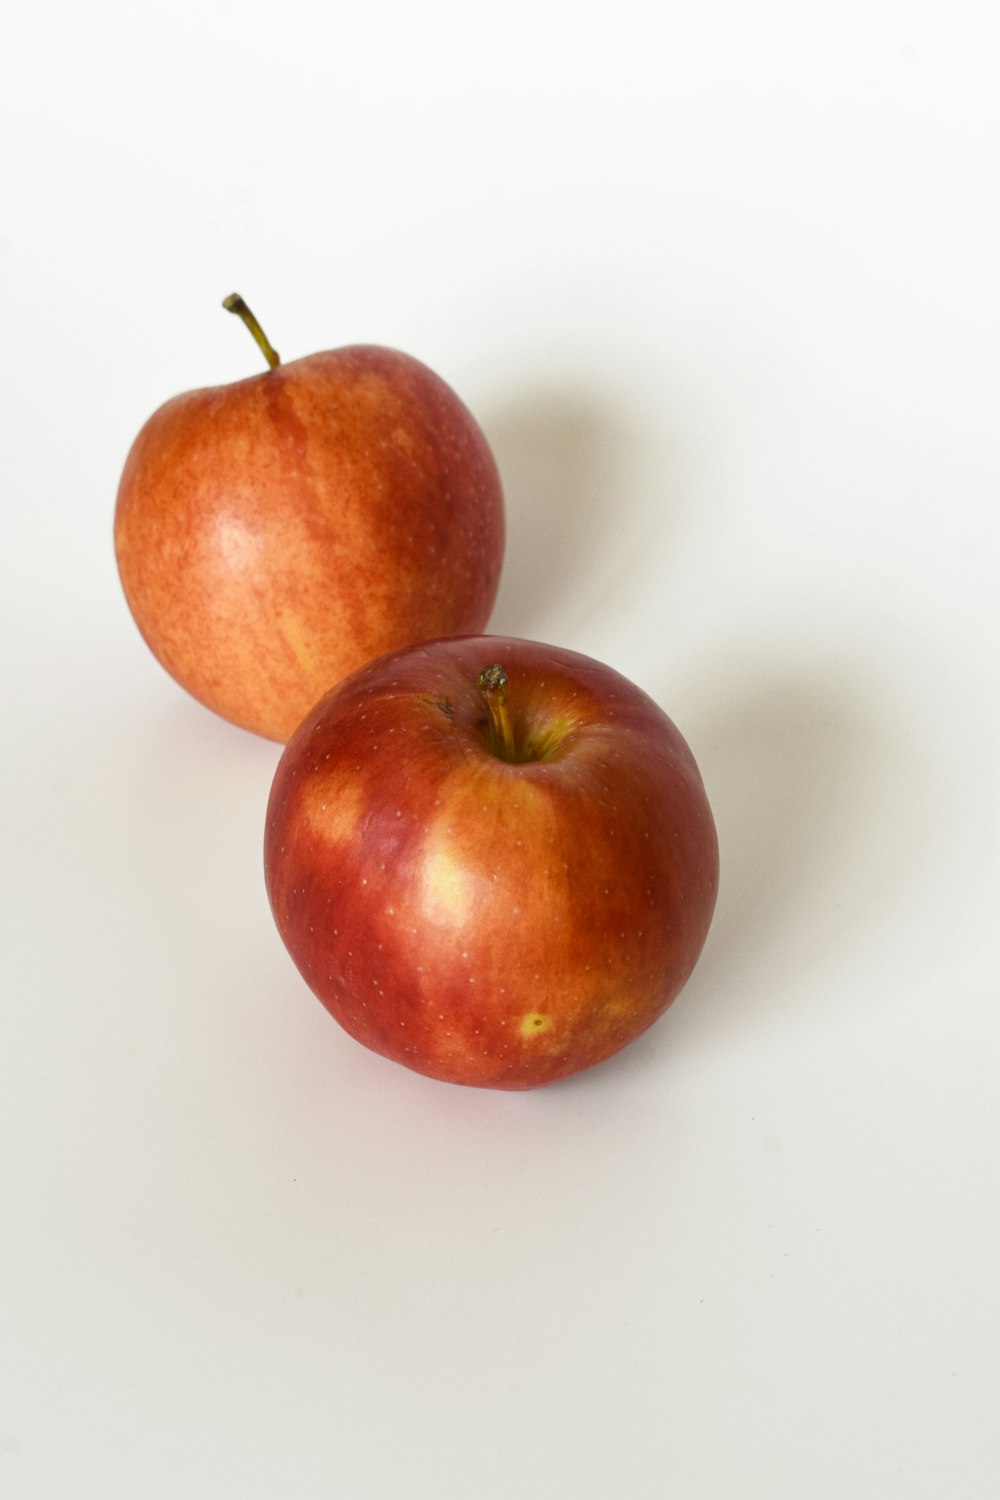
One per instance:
[(492, 683), (234, 303)]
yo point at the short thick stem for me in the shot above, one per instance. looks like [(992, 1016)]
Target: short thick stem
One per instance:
[(234, 303), (492, 683)]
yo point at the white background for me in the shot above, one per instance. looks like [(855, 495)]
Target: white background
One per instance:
[(720, 282)]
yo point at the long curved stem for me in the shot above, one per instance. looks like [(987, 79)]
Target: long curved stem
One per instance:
[(234, 303)]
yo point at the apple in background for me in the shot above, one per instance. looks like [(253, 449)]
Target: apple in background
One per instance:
[(493, 861), (274, 534)]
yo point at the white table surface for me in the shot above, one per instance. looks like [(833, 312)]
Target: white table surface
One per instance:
[(722, 287)]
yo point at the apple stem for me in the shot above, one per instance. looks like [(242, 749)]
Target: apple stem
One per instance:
[(234, 303), (492, 683)]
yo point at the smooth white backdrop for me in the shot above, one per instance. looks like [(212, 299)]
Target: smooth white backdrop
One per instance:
[(720, 283)]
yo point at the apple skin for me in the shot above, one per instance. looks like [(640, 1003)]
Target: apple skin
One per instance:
[(274, 534), (485, 921)]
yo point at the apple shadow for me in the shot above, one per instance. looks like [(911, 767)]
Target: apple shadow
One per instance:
[(786, 768), (801, 774), (566, 462)]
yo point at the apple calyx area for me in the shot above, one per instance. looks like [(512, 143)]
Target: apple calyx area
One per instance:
[(234, 303)]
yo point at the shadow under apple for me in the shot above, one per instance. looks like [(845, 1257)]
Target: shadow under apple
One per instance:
[(786, 767), (566, 461), (800, 772)]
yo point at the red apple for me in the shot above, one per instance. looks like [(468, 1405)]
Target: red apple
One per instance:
[(493, 861), (274, 534)]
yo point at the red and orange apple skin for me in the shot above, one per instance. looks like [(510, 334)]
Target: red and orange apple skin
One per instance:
[(485, 921), (275, 534)]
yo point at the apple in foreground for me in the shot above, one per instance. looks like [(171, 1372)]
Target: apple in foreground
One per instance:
[(274, 534), (493, 861)]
